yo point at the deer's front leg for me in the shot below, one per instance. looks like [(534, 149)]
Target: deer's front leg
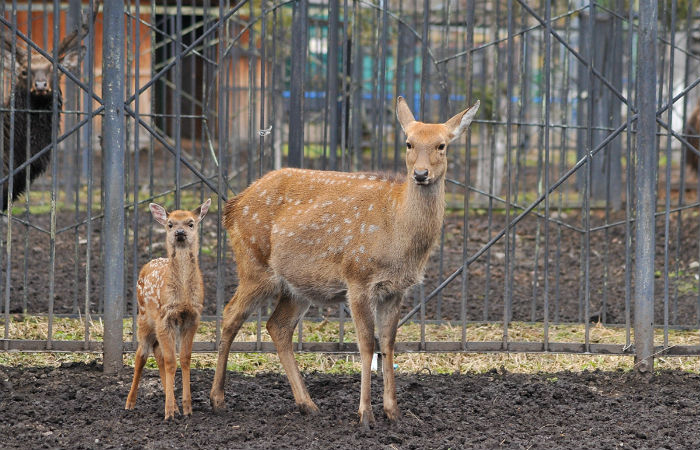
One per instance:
[(167, 345), (185, 357), (388, 312), (360, 306)]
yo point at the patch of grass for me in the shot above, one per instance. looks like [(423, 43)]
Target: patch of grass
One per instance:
[(36, 327)]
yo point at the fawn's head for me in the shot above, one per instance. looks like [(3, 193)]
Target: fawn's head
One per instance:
[(426, 143), (180, 225)]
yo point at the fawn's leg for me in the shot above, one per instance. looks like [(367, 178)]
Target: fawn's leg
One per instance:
[(185, 356), (158, 355), (363, 317), (387, 318), (281, 328), (237, 310), (167, 347), (139, 362)]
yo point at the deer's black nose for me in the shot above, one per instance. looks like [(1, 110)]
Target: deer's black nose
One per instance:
[(420, 175), (180, 235)]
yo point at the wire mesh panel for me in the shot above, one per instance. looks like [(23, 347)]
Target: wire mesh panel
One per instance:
[(537, 252)]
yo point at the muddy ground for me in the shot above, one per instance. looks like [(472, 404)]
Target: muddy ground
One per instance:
[(486, 279), (76, 406)]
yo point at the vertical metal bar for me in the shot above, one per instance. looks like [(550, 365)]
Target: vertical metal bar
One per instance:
[(178, 103), (382, 85), (11, 166), (27, 178), (646, 178), (252, 69), (54, 175), (467, 176), (73, 22), (425, 66), (628, 182), (332, 79), (588, 191), (221, 126), (667, 203), (356, 87), (89, 69), (135, 213), (296, 96), (547, 88), (344, 83), (507, 297), (113, 151)]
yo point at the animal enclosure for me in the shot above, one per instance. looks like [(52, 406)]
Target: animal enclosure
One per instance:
[(570, 206)]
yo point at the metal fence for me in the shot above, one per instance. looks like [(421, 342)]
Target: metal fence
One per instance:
[(570, 205)]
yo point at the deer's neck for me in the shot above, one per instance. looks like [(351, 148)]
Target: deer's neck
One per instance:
[(184, 266), (419, 217)]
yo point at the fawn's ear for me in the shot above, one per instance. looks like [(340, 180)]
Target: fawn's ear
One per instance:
[(459, 123), (202, 210), (403, 113), (159, 213)]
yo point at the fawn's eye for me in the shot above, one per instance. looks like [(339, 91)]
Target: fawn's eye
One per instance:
[(191, 224), (441, 147), (409, 145), (170, 224)]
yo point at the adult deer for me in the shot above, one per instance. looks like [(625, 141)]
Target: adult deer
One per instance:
[(310, 236), (29, 128)]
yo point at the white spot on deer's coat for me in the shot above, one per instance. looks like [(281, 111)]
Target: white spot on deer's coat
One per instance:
[(371, 207), (245, 210), (372, 228), (346, 220), (362, 249), (361, 177), (362, 228), (372, 178)]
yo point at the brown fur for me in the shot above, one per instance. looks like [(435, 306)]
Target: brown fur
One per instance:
[(170, 293), (306, 236)]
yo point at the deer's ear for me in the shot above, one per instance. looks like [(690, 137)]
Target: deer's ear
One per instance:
[(459, 123), (202, 210), (403, 113), (159, 213), (20, 56), (71, 59)]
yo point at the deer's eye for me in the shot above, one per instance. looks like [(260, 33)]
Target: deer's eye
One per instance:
[(409, 145), (170, 224), (191, 224), (441, 147)]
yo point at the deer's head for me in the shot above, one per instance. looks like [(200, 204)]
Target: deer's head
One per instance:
[(34, 71), (426, 143), (180, 225)]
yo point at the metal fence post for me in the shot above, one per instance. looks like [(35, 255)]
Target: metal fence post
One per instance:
[(646, 182), (296, 97), (113, 155)]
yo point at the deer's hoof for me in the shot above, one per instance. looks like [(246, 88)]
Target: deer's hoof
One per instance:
[(393, 414), (129, 404), (366, 419), (170, 413), (217, 402), (308, 408)]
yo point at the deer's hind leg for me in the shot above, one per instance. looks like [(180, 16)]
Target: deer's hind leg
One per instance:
[(281, 328), (139, 362), (247, 297)]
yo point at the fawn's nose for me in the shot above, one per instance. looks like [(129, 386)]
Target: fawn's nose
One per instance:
[(420, 175), (180, 235), (41, 85)]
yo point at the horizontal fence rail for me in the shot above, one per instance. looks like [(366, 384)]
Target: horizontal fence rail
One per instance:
[(560, 236)]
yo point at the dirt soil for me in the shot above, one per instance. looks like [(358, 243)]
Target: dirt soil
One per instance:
[(76, 406), (486, 276)]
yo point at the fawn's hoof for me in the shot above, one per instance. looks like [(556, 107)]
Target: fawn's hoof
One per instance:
[(366, 419), (130, 404), (308, 408), (170, 414)]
